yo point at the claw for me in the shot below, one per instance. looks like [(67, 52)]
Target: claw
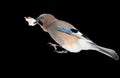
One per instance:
[(55, 47)]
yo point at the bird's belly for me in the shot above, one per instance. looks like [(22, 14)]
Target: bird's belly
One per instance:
[(81, 44), (68, 42), (72, 48)]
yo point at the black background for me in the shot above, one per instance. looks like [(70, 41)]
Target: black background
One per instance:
[(28, 48)]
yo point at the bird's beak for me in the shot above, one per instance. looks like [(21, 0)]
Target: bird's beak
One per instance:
[(38, 20)]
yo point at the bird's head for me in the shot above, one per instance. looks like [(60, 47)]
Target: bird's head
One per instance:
[(46, 19)]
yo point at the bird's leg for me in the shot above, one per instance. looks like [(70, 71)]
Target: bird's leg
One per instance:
[(55, 47)]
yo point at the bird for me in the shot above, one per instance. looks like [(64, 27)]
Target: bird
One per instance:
[(67, 36)]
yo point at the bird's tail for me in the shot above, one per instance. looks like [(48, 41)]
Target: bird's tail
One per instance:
[(109, 52)]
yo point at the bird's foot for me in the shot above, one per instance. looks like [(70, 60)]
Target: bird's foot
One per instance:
[(55, 47)]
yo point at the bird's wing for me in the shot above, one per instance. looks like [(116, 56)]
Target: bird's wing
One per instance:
[(69, 31), (73, 31)]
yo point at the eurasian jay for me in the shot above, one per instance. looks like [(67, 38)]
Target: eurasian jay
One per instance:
[(67, 36)]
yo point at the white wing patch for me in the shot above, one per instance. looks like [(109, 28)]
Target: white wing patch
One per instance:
[(78, 34)]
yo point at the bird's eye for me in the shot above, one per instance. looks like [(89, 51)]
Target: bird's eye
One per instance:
[(41, 18)]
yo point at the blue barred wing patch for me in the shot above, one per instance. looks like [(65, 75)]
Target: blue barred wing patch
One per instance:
[(67, 31)]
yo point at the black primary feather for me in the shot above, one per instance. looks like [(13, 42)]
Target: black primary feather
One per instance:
[(74, 30)]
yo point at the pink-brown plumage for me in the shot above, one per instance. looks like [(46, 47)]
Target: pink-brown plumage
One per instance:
[(47, 19), (68, 39)]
